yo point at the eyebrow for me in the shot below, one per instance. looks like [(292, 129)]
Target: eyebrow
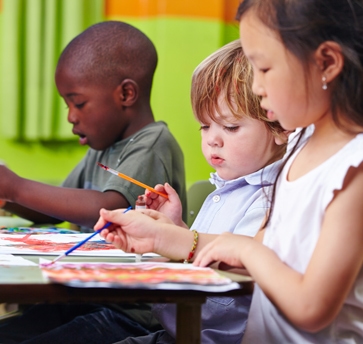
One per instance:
[(254, 56), (72, 94)]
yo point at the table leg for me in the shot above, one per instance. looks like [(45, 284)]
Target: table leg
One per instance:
[(188, 323)]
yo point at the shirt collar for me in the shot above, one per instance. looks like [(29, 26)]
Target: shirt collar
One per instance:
[(264, 177)]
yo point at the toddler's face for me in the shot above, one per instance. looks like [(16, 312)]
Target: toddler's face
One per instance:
[(93, 109), (235, 148)]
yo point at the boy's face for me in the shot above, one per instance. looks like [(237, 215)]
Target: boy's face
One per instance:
[(235, 148), (93, 109)]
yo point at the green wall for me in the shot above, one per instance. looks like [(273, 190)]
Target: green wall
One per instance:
[(181, 44)]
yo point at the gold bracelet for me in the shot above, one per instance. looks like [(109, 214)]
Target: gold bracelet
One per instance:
[(194, 247)]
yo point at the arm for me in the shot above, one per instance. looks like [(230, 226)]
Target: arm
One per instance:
[(311, 300), (44, 203), (149, 231), (170, 207)]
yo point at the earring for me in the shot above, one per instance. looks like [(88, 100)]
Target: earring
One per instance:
[(325, 85)]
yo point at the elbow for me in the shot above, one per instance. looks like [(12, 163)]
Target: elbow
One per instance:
[(313, 318)]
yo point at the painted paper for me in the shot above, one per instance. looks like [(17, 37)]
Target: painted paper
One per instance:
[(143, 275), (55, 244)]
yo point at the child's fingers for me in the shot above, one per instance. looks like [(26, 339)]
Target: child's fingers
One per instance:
[(152, 195), (172, 194), (101, 221), (115, 216), (109, 237), (202, 258)]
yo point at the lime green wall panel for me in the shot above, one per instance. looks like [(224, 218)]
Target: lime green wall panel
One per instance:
[(182, 44)]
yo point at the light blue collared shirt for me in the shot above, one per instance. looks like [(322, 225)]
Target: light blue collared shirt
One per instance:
[(237, 206)]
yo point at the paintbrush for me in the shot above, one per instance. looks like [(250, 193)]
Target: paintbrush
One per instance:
[(82, 242), (132, 180)]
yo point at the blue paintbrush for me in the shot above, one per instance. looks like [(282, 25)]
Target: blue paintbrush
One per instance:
[(83, 241)]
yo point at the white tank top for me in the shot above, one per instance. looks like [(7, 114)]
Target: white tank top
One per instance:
[(292, 234)]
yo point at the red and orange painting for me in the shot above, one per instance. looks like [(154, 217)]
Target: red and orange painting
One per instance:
[(132, 274), (55, 244)]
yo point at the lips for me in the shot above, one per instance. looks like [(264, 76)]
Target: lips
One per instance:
[(82, 138), (216, 160)]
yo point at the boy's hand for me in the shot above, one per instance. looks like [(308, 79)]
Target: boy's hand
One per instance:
[(170, 207), (134, 231)]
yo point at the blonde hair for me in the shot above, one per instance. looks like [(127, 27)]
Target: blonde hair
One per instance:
[(227, 72)]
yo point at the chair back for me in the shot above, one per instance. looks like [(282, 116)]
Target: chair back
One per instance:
[(196, 195)]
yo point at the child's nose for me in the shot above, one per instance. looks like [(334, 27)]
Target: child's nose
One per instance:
[(256, 86), (72, 116), (215, 140)]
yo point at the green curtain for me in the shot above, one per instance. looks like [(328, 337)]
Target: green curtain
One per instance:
[(34, 32)]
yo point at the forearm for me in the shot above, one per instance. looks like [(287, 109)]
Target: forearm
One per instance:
[(291, 292), (30, 214), (78, 206), (176, 243)]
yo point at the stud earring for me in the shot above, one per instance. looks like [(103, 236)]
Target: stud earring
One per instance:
[(325, 85)]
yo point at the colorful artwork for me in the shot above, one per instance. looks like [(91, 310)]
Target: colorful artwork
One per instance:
[(35, 230), (55, 244), (133, 274)]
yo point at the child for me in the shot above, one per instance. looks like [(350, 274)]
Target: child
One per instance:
[(238, 141), (105, 76), (307, 58)]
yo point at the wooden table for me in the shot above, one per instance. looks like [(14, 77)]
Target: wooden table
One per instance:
[(26, 285)]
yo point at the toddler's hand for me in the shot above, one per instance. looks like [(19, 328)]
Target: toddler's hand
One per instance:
[(170, 207)]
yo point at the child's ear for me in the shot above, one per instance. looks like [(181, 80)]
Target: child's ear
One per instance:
[(128, 92), (330, 59)]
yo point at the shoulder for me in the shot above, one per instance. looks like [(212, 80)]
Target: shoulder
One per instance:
[(156, 136)]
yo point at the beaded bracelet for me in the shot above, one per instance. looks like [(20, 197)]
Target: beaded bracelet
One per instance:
[(192, 251)]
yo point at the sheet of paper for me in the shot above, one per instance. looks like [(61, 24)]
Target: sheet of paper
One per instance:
[(9, 259), (55, 244), (148, 275)]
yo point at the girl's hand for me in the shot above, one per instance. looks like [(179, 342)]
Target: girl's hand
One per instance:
[(134, 231), (226, 248), (170, 207)]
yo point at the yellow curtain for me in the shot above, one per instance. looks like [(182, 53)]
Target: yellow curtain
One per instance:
[(34, 32)]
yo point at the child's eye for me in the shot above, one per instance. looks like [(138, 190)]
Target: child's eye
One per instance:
[(232, 129), (204, 127), (80, 105), (264, 70)]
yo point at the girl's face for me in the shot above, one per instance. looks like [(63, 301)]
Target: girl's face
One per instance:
[(288, 94), (236, 147)]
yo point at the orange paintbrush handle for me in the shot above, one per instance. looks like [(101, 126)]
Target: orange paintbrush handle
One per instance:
[(132, 180)]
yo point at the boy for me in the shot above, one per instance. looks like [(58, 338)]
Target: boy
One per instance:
[(244, 148), (105, 76)]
